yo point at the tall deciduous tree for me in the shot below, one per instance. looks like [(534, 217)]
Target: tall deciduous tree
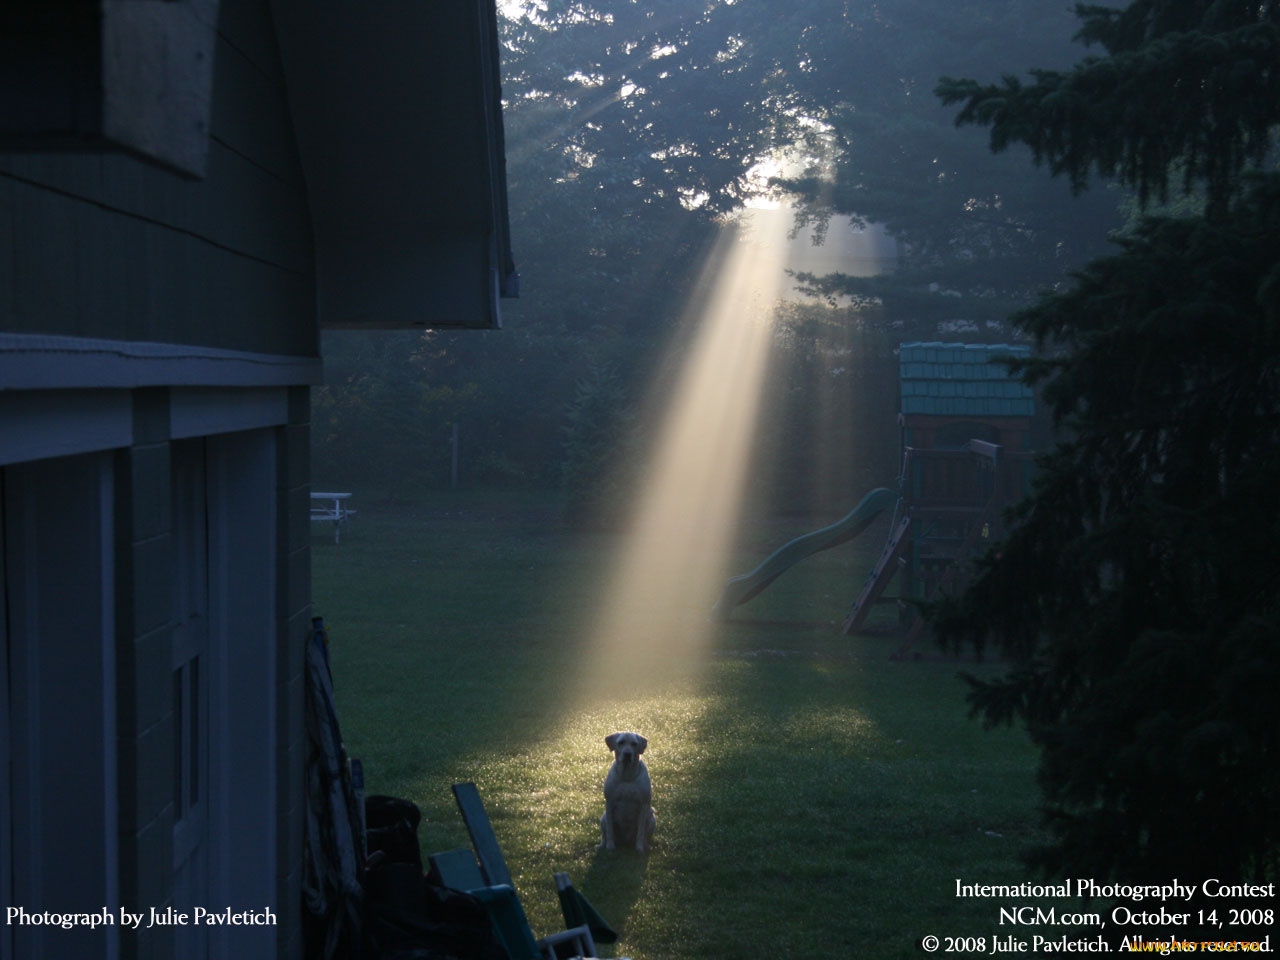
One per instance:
[(1139, 592)]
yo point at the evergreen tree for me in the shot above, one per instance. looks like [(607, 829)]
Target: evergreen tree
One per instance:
[(1138, 593), (978, 235)]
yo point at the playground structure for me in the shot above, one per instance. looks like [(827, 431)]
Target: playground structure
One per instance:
[(965, 424), (741, 589)]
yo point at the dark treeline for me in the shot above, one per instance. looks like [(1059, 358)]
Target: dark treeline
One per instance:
[(633, 131)]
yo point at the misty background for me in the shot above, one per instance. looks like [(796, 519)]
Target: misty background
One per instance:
[(635, 134)]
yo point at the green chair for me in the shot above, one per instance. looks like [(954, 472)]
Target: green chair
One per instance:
[(458, 870), (578, 911), (489, 881)]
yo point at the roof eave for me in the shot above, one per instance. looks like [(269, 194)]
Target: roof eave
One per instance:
[(397, 108)]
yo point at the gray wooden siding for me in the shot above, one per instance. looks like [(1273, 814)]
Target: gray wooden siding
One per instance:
[(112, 247), (144, 623)]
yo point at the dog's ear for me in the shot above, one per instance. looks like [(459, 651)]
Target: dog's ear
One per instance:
[(642, 742), (611, 740)]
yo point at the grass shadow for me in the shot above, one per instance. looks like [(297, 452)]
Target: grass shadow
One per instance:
[(613, 884), (451, 625)]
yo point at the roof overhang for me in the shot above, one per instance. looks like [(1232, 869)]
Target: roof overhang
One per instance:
[(398, 114)]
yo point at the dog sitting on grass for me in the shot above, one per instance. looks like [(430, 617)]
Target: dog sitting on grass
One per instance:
[(628, 817)]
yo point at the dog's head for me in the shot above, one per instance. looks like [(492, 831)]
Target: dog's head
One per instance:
[(626, 747)]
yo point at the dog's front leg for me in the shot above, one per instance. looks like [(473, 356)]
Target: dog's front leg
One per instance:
[(642, 819), (606, 828)]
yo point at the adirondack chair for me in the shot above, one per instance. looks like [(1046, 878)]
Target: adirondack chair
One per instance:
[(458, 870), (578, 911), (490, 882)]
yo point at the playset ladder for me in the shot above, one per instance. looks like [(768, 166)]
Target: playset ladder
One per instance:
[(957, 573), (879, 577)]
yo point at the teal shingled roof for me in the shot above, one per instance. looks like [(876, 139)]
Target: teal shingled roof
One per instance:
[(962, 379)]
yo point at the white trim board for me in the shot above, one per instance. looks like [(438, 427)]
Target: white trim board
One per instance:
[(38, 424), (202, 411)]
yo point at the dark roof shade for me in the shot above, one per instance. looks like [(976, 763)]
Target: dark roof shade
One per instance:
[(397, 111)]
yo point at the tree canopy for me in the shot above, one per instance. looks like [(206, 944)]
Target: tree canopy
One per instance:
[(1187, 88), (633, 130), (978, 235), (1138, 592)]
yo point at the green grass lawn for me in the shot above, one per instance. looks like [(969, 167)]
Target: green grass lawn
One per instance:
[(814, 798)]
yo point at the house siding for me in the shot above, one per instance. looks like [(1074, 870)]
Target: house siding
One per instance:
[(144, 627), (108, 246), (159, 326), (144, 624)]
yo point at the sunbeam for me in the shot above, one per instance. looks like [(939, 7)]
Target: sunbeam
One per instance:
[(652, 625)]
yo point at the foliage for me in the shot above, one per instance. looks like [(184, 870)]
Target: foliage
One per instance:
[(379, 380), (1185, 86), (629, 133), (829, 431), (1138, 594), (632, 130), (673, 101), (978, 235), (595, 430)]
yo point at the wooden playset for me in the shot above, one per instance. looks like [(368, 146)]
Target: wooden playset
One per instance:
[(965, 424)]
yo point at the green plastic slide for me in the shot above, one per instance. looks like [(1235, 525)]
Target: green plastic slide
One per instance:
[(741, 589)]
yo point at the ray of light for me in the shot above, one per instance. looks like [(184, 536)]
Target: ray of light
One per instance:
[(653, 623)]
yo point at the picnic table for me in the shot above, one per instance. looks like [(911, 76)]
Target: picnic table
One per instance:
[(331, 507)]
